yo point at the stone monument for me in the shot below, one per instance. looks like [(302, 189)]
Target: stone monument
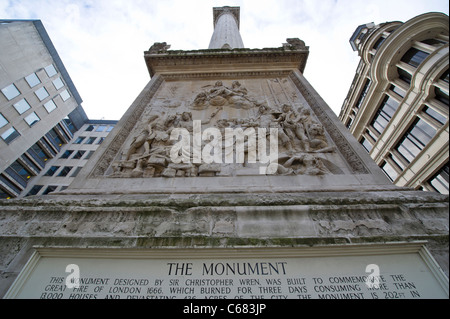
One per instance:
[(228, 177)]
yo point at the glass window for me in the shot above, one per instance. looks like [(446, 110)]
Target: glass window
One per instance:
[(34, 190), (389, 171), (37, 152), (65, 95), (435, 115), (65, 171), (9, 135), (41, 93), (363, 94), (58, 83), (51, 171), (79, 154), (100, 128), (66, 154), (440, 181), (10, 92), (90, 140), (50, 106), (384, 114), (21, 170), (49, 190), (379, 43), (51, 71), (88, 156), (110, 128), (32, 80), (441, 95), (32, 119), (445, 76), (3, 121), (76, 171), (398, 90), (404, 76), (100, 140), (366, 144), (414, 141), (414, 57), (90, 128), (22, 106), (79, 140)]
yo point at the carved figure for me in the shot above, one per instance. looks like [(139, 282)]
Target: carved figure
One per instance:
[(159, 47)]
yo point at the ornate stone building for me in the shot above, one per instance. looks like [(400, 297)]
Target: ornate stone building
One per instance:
[(228, 164), (398, 104)]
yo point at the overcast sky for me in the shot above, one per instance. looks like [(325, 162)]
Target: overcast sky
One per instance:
[(102, 42)]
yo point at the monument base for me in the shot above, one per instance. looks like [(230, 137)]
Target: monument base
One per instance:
[(245, 229)]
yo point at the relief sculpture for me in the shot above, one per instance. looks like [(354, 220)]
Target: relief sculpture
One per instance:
[(302, 141)]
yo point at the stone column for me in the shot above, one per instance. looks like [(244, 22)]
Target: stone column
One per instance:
[(226, 29)]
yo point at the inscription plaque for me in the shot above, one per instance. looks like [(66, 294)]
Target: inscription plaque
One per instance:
[(391, 271)]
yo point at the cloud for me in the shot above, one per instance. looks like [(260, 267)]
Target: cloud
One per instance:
[(101, 42)]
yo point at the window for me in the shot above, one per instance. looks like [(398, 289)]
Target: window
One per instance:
[(38, 153), (110, 128), (364, 142), (88, 156), (414, 141), (51, 71), (58, 83), (75, 172), (397, 90), (435, 115), (51, 171), (433, 42), (389, 171), (363, 94), (32, 119), (414, 57), (379, 43), (64, 95), (404, 76), (49, 190), (32, 80), (34, 190), (100, 128), (20, 171), (10, 92), (100, 140), (384, 114), (3, 121), (65, 171), (22, 106), (54, 138), (91, 140), (66, 154), (41, 93), (441, 95), (79, 140), (9, 135), (50, 106), (90, 128), (440, 180), (79, 155)]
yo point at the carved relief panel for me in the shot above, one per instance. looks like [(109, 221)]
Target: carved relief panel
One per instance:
[(163, 142)]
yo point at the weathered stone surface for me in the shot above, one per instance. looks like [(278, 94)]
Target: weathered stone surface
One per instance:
[(220, 220)]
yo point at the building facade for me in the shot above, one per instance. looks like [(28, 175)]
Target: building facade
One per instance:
[(65, 166), (40, 108), (398, 104)]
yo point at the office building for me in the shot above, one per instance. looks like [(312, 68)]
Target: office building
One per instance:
[(398, 104)]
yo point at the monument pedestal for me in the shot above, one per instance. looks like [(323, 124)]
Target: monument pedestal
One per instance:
[(343, 231)]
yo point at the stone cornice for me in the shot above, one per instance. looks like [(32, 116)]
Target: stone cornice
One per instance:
[(173, 61)]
